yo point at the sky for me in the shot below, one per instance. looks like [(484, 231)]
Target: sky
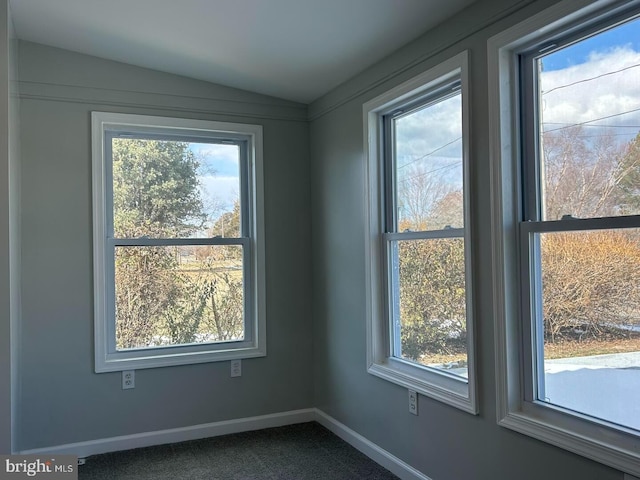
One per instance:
[(430, 140), (624, 35), (595, 83), (219, 176)]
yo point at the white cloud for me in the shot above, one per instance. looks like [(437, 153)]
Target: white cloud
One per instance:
[(219, 193), (433, 132), (220, 159), (216, 150), (219, 176), (600, 92)]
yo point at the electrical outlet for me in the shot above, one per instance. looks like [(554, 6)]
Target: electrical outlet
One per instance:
[(128, 379), (236, 368), (413, 402)]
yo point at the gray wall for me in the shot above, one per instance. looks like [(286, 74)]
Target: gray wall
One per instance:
[(63, 400), (9, 232), (15, 229), (5, 253), (442, 442), (309, 364)]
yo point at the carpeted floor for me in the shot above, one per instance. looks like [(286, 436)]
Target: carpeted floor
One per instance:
[(306, 451)]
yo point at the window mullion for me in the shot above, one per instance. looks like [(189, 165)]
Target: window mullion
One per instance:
[(426, 235), (159, 242), (249, 313), (581, 224), (389, 175), (531, 166), (246, 197), (393, 282)]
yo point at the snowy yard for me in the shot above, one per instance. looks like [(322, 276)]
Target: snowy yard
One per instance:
[(602, 386)]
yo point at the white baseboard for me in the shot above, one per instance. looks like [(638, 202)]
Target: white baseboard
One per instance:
[(370, 449), (174, 435), (207, 430)]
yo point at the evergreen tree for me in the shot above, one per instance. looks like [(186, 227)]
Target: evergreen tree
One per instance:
[(629, 183), (155, 194), (155, 189)]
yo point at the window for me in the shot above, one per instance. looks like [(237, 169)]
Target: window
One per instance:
[(178, 241), (420, 329), (567, 241)]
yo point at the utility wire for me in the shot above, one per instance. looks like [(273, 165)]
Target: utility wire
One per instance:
[(545, 123), (591, 78), (591, 121), (430, 153), (600, 126), (607, 135), (406, 179)]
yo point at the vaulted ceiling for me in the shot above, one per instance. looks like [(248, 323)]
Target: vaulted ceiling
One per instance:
[(292, 49)]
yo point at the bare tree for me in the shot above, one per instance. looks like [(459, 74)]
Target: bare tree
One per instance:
[(580, 173), (419, 192), (628, 187), (589, 278)]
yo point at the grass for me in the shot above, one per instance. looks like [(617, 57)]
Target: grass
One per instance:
[(567, 348), (592, 346), (460, 358)]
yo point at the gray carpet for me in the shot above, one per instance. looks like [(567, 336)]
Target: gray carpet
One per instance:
[(306, 451)]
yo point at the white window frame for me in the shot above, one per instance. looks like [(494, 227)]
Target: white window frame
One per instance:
[(431, 382), (107, 358), (616, 447)]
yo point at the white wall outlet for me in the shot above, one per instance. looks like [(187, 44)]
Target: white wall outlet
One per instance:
[(128, 379), (236, 368), (413, 402)]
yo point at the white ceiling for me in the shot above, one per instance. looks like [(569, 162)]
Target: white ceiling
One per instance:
[(292, 49)]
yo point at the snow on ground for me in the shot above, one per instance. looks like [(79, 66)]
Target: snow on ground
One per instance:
[(602, 386)]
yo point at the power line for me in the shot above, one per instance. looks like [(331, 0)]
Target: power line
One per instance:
[(600, 126), (456, 164), (608, 135), (591, 121), (430, 153), (591, 78)]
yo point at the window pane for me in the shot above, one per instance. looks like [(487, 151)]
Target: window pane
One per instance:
[(172, 189), (431, 314), (589, 122), (428, 167), (178, 295), (591, 323)]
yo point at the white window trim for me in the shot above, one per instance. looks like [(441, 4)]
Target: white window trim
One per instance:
[(107, 360), (426, 381), (595, 440)]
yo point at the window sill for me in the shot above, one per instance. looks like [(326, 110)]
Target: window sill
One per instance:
[(600, 446), (428, 382), (173, 356)]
